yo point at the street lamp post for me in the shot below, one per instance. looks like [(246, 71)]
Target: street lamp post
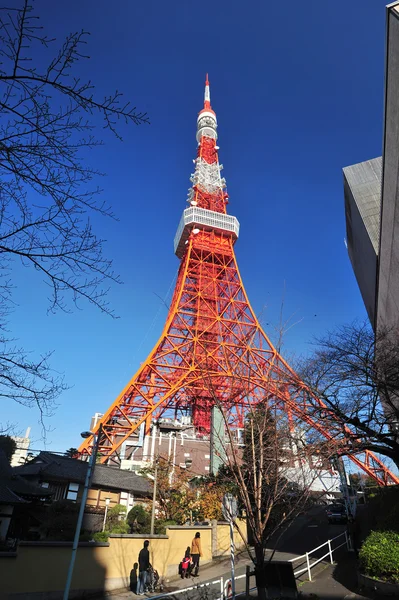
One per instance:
[(89, 473), (107, 501)]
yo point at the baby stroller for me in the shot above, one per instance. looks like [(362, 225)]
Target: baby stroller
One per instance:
[(153, 583)]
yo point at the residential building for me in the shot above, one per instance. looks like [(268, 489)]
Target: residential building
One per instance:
[(16, 496), (185, 449), (64, 477)]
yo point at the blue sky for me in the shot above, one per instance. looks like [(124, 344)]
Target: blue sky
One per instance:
[(298, 91)]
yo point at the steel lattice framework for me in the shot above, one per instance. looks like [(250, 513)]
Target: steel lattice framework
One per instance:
[(212, 348)]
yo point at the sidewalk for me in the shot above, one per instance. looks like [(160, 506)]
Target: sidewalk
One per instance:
[(330, 582), (338, 581), (209, 572)]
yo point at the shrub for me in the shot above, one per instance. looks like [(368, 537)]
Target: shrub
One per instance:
[(115, 516), (139, 519), (160, 526), (379, 555), (101, 536), (121, 527)]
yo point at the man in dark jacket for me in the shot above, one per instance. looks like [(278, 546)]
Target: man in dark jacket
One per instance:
[(144, 565)]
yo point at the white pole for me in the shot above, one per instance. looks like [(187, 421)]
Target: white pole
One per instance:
[(329, 548), (233, 583), (308, 563), (107, 501)]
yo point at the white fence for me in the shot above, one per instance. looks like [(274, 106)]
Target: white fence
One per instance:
[(223, 586), (331, 550), (217, 583)]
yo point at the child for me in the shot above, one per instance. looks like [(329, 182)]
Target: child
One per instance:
[(186, 564)]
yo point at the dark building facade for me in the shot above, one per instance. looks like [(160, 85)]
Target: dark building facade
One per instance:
[(362, 189), (372, 205)]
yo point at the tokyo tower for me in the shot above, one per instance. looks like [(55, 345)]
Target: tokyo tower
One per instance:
[(212, 341)]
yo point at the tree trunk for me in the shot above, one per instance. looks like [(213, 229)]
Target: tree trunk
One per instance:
[(260, 572)]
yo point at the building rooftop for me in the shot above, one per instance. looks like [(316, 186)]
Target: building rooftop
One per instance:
[(62, 468), (13, 488)]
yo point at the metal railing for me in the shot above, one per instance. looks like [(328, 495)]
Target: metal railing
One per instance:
[(219, 582), (224, 585), (331, 550)]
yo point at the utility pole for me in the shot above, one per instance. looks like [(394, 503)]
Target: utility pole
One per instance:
[(89, 474)]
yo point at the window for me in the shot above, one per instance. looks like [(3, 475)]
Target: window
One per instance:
[(72, 492), (44, 484)]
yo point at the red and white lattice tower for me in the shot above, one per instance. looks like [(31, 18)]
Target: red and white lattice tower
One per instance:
[(212, 348)]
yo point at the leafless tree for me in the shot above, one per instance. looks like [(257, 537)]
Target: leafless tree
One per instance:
[(356, 375), (47, 191), (272, 469)]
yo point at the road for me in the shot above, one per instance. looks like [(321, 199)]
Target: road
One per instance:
[(307, 532)]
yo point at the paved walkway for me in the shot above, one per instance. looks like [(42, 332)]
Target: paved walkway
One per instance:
[(330, 582), (334, 582)]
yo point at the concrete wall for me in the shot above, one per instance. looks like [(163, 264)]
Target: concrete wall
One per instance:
[(39, 569), (362, 191), (223, 537), (388, 276)]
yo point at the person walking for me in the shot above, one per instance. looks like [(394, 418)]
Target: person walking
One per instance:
[(196, 553), (144, 565)]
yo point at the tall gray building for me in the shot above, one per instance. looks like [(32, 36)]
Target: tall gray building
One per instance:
[(371, 190)]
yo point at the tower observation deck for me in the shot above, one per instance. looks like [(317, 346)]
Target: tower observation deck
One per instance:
[(207, 196)]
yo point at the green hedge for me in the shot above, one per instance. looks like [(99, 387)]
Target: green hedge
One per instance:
[(379, 555), (101, 536)]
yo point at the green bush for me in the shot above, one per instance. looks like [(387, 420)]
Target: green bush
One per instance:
[(379, 555), (115, 516), (121, 527), (160, 526), (139, 519), (101, 536)]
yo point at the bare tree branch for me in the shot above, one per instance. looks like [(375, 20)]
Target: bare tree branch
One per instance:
[(356, 375), (47, 189)]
